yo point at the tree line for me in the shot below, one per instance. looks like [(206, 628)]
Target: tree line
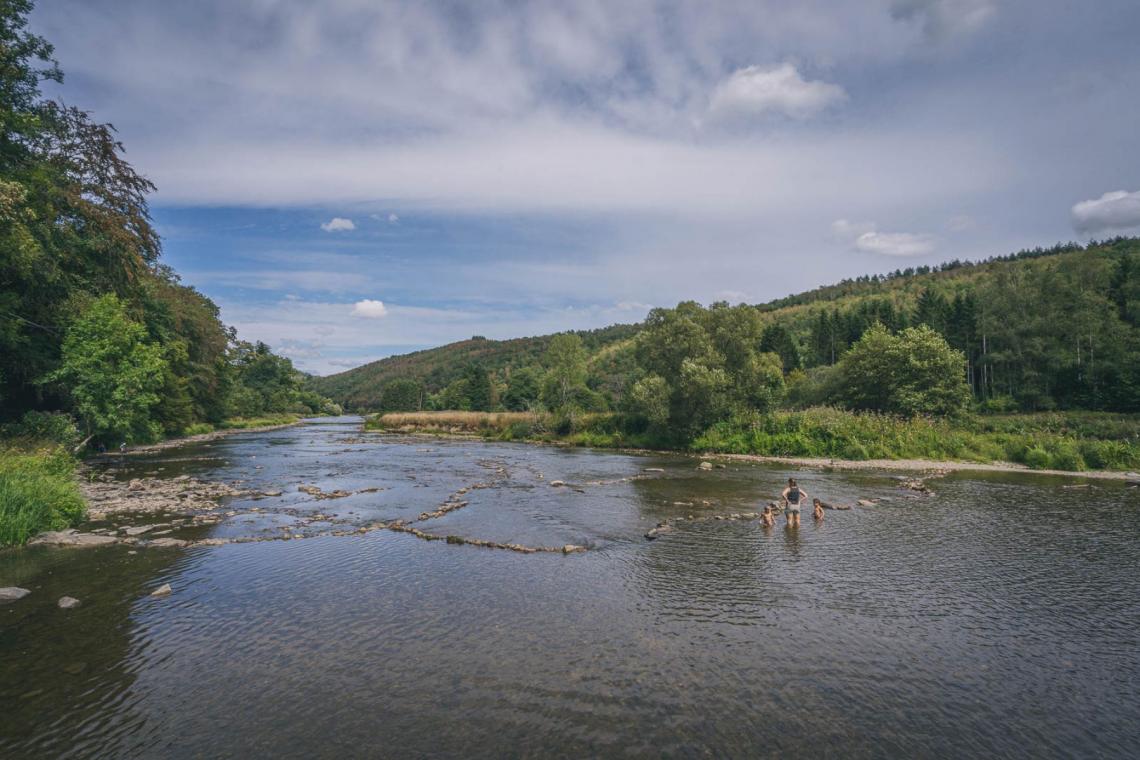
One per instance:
[(92, 323)]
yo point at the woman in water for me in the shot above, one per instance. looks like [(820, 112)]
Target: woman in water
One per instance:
[(793, 496)]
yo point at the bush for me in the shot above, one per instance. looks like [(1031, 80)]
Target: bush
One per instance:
[(38, 492), (51, 427), (1036, 458)]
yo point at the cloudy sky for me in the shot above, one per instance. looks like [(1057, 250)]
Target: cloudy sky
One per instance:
[(354, 178)]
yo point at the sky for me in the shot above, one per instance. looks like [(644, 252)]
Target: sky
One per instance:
[(353, 179)]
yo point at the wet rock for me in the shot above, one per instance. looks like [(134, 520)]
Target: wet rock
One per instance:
[(182, 478), (557, 483), (71, 537), (721, 466), (867, 502), (270, 494), (12, 594), (705, 466), (654, 469), (572, 549), (135, 485), (660, 529), (138, 530), (68, 603), (163, 590), (167, 543)]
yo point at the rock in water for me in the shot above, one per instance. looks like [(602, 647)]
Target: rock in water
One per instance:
[(163, 590), (557, 483), (571, 548), (12, 593), (68, 603), (705, 466)]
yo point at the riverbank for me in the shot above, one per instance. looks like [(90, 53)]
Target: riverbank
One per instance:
[(228, 427), (830, 438)]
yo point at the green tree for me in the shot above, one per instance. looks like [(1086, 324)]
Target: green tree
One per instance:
[(524, 387), (777, 340), (566, 360), (914, 372), (401, 395), (111, 373)]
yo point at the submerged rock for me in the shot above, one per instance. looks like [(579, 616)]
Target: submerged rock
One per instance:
[(163, 590), (68, 603), (557, 483), (12, 594)]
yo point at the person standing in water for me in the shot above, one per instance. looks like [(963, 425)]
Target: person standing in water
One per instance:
[(794, 496)]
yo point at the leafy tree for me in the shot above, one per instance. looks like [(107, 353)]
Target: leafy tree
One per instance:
[(914, 372), (778, 340), (112, 374), (401, 395), (524, 387), (478, 388), (566, 360)]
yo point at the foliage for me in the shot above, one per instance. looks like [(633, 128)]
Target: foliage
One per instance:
[(566, 360), (401, 395), (111, 372), (524, 387), (38, 492), (50, 427), (914, 372)]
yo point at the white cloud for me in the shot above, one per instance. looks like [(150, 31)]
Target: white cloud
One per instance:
[(369, 309), (1117, 211), (338, 224), (863, 236), (393, 218), (758, 90), (894, 243)]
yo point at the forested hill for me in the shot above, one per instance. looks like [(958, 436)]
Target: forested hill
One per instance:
[(435, 368), (1040, 329)]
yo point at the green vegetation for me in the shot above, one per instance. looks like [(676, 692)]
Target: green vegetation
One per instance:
[(38, 492), (94, 329), (1031, 358), (92, 324)]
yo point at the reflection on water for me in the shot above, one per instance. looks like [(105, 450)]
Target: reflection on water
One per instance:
[(996, 618)]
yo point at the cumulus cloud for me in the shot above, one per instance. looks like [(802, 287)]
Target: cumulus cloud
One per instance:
[(943, 18), (863, 236), (369, 309), (338, 224), (1118, 211), (759, 90)]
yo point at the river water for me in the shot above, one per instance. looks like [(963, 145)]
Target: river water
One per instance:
[(999, 617)]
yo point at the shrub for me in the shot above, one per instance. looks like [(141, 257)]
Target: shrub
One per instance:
[(38, 492), (51, 427), (1037, 458)]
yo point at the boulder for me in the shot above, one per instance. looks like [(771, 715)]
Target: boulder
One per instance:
[(705, 466), (866, 503), (138, 530), (572, 548), (163, 590), (557, 483), (12, 593), (68, 602), (135, 485), (166, 543)]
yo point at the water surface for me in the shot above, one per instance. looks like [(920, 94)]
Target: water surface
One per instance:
[(998, 617)]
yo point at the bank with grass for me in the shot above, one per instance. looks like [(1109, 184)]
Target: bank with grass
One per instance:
[(1074, 442), (38, 491)]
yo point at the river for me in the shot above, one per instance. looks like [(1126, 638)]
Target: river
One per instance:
[(998, 617)]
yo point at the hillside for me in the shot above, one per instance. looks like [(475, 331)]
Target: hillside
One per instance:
[(1046, 327), (359, 388)]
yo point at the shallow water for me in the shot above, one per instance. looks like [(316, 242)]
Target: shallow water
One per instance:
[(998, 617)]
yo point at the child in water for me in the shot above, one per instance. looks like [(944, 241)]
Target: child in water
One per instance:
[(768, 517), (817, 511)]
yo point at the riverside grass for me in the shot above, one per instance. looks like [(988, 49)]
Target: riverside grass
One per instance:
[(1058, 441), (38, 492)]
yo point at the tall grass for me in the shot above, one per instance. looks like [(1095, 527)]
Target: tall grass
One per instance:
[(38, 492), (835, 433), (1038, 441)]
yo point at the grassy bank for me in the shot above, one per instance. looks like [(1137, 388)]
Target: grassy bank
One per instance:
[(38, 492), (241, 423), (1082, 441)]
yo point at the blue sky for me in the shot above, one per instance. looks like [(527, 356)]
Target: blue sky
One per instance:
[(351, 179)]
